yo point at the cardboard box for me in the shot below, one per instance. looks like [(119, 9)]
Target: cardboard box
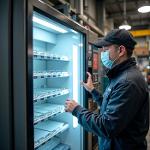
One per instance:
[(141, 51)]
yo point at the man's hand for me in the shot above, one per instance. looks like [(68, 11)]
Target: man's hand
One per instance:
[(70, 105), (89, 85)]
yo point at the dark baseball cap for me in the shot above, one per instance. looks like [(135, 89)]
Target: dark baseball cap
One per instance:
[(119, 37)]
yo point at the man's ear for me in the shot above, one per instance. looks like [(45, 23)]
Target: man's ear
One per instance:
[(122, 50)]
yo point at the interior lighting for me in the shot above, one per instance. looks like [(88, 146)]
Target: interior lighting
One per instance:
[(125, 24), (48, 24), (144, 9)]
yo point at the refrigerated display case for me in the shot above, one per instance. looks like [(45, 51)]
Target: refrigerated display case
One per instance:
[(51, 65), (57, 72)]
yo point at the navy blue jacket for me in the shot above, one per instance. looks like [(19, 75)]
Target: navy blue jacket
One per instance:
[(123, 121)]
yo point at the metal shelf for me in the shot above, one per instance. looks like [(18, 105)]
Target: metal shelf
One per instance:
[(46, 56), (44, 131), (46, 93), (50, 144), (62, 147), (54, 144), (49, 74), (46, 110)]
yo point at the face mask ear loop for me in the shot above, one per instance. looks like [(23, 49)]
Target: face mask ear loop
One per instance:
[(115, 60)]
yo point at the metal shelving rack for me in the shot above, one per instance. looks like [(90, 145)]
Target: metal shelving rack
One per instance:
[(45, 127), (46, 130)]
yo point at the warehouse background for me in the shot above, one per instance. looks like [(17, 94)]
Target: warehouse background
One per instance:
[(101, 16)]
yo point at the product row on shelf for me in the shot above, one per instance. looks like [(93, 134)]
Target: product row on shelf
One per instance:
[(54, 144), (45, 55), (46, 130), (45, 93), (46, 110), (49, 74)]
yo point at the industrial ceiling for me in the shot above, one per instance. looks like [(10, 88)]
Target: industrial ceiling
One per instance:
[(115, 10)]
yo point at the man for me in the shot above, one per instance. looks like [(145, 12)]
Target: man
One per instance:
[(123, 121)]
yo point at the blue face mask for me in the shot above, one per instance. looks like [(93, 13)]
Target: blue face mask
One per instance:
[(105, 59)]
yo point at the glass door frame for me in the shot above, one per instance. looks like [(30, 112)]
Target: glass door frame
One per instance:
[(23, 66)]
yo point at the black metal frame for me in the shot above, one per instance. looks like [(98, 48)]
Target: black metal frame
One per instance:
[(6, 100), (85, 93), (23, 66), (43, 7), (23, 109)]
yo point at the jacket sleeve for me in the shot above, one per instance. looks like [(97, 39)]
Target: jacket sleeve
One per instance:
[(97, 97), (120, 110)]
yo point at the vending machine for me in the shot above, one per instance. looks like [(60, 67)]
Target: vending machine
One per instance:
[(51, 65)]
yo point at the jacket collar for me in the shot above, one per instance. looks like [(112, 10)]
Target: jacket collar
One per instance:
[(117, 69)]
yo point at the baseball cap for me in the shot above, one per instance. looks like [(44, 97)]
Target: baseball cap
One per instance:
[(119, 37)]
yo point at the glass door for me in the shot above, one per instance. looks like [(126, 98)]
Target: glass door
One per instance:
[(57, 72)]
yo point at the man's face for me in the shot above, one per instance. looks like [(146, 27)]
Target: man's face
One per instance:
[(113, 51)]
